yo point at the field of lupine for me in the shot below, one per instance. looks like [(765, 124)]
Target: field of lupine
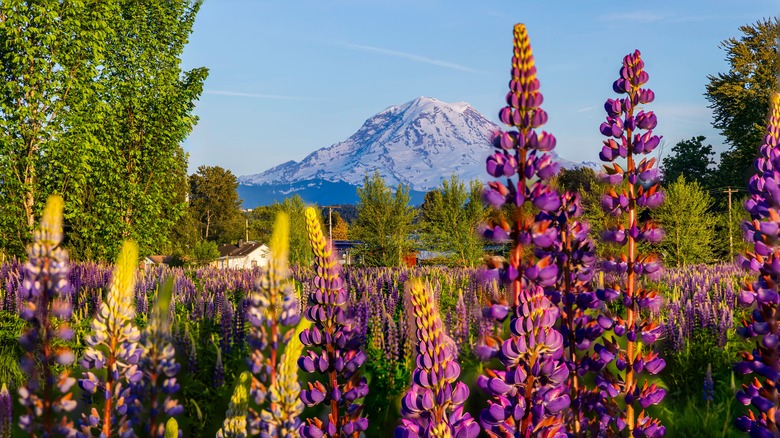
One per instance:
[(546, 342)]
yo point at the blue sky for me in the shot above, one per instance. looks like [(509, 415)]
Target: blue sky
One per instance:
[(289, 77)]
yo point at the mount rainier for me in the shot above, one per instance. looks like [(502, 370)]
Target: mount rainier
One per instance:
[(418, 144)]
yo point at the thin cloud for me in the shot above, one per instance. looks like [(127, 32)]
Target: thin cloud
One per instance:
[(639, 16), (411, 57), (586, 109), (253, 95)]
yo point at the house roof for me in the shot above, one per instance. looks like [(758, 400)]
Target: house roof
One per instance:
[(159, 259), (239, 251), (226, 249)]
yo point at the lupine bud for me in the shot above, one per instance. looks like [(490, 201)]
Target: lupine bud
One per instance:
[(234, 425)]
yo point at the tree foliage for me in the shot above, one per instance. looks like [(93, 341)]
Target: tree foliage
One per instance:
[(692, 159), (449, 218), (739, 98), (94, 105), (688, 223), (215, 204), (383, 223), (261, 222), (49, 51), (205, 252)]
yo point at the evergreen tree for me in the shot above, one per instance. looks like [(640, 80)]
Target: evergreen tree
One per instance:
[(383, 223), (688, 223)]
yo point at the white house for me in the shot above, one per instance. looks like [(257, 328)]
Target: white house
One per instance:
[(244, 256)]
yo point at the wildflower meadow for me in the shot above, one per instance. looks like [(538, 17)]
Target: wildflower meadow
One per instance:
[(551, 335)]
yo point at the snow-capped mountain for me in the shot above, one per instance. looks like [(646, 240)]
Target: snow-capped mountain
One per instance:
[(418, 144)]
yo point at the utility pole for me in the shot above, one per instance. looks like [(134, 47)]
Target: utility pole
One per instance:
[(731, 237), (330, 223), (246, 229)]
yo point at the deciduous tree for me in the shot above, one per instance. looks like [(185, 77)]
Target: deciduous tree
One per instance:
[(49, 52), (383, 223), (687, 222), (692, 159), (449, 219), (215, 204)]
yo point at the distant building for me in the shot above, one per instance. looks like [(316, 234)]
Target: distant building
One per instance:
[(242, 256), (157, 260), (344, 250)]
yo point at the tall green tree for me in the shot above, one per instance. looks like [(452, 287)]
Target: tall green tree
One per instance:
[(739, 98), (692, 159), (449, 218), (215, 204), (383, 223), (144, 106), (49, 53), (689, 225)]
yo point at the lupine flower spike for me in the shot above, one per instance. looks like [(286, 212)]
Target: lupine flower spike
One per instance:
[(624, 127), (159, 367), (112, 354), (763, 294), (284, 404), (581, 322), (273, 305), (6, 413), (529, 394), (46, 307), (333, 347), (433, 407), (234, 425)]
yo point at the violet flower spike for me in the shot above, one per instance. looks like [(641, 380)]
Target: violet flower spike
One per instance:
[(112, 353), (528, 394), (272, 306), (433, 407), (623, 128), (44, 296), (761, 394), (335, 334)]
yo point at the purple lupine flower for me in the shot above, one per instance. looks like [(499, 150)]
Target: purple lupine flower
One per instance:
[(762, 294), (528, 394), (45, 290), (219, 370), (272, 306), (623, 125), (433, 407), (340, 358), (112, 354), (708, 391), (159, 367)]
